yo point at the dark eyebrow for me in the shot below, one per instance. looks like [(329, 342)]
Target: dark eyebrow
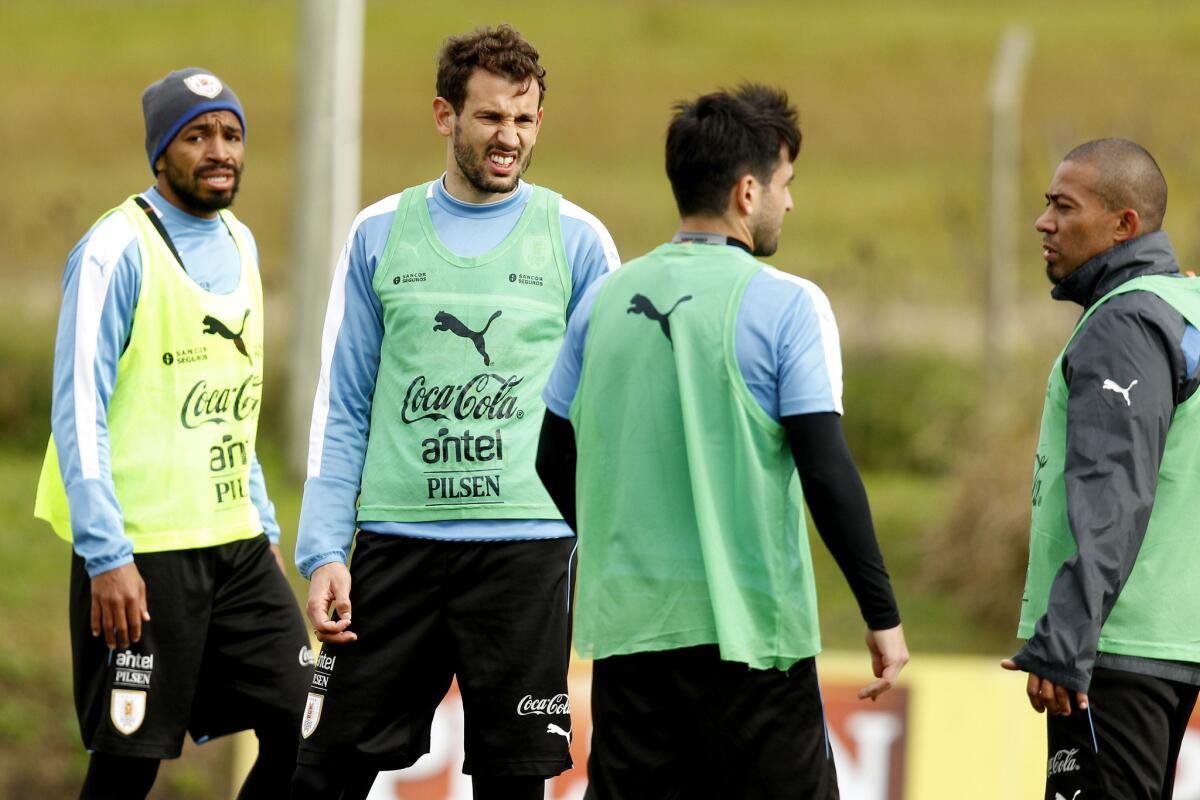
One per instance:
[(1057, 197), (202, 127)]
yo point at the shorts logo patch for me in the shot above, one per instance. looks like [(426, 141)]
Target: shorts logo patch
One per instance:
[(312, 714), (306, 656), (552, 728), (132, 670), (128, 710), (559, 704)]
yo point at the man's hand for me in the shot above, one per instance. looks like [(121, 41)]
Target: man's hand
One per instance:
[(889, 654), (119, 605), (278, 559), (1045, 695), (330, 587)]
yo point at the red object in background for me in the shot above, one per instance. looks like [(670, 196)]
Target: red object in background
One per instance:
[(869, 741)]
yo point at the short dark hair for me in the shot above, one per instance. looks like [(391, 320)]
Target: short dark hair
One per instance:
[(1127, 177), (501, 51), (718, 137)]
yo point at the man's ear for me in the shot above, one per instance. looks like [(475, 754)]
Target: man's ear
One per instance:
[(744, 195), (1129, 225), (443, 116)]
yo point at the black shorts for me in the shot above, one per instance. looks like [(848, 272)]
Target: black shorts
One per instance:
[(685, 724), (1127, 742), (494, 614), (225, 650)]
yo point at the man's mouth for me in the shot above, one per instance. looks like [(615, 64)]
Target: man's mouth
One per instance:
[(502, 162), (1048, 252), (217, 180)]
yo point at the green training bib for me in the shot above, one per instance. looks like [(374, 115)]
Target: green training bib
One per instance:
[(1157, 614), (467, 346), (183, 416), (691, 529)]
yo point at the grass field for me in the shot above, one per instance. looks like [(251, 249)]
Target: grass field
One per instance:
[(890, 219)]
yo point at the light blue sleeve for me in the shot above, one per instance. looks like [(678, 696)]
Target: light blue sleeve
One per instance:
[(258, 481), (564, 377), (105, 279), (787, 346), (350, 348), (1190, 345), (262, 501), (590, 250)]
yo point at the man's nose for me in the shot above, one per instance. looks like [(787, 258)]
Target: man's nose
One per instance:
[(506, 136), (219, 149), (1043, 223)]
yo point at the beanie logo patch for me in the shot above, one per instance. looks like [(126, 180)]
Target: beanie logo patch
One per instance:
[(203, 84)]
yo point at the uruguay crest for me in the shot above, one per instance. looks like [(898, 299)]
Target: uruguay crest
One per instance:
[(128, 710), (312, 714), (203, 84)]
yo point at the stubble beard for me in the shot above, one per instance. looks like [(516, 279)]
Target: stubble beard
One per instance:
[(766, 237), (187, 188), (473, 167)]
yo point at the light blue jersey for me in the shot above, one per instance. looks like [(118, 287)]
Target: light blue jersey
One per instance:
[(108, 302), (785, 339), (351, 341)]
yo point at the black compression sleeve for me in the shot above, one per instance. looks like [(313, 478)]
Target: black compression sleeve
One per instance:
[(556, 463), (837, 501)]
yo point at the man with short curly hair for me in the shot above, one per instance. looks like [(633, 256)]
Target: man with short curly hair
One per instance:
[(449, 305)]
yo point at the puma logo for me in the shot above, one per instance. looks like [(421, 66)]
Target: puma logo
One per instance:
[(552, 728), (215, 326), (1113, 387), (1058, 796), (640, 304), (448, 322)]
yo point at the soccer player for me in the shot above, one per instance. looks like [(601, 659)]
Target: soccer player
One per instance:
[(449, 304), (181, 618), (693, 384), (1111, 599)]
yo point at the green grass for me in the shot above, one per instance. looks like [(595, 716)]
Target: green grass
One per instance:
[(891, 98)]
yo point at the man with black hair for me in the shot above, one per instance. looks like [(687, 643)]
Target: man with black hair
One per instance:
[(707, 381), (181, 618), (448, 307), (1110, 610)]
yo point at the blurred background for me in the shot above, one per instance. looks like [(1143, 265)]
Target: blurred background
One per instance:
[(891, 220)]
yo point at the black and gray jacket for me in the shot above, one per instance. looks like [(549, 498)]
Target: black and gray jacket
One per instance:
[(1113, 455)]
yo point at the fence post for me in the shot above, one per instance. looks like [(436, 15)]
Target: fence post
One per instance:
[(328, 171), (1004, 96)]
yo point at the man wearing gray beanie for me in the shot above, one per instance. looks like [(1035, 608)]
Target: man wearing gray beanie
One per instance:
[(181, 618)]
